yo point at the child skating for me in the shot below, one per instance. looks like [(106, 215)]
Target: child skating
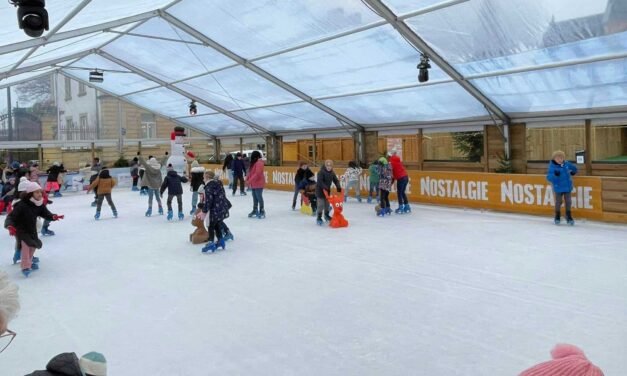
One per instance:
[(197, 183), (152, 179), (352, 176), (22, 223), (217, 208), (104, 184), (374, 181), (173, 183), (386, 179), (560, 175), (326, 176)]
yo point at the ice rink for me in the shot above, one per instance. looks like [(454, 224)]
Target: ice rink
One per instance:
[(441, 292)]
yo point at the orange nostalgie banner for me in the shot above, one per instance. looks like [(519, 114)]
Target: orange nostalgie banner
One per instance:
[(505, 192)]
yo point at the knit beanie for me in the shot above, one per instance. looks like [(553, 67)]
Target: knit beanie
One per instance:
[(568, 360), (383, 161), (93, 364), (23, 182), (32, 187), (169, 168)]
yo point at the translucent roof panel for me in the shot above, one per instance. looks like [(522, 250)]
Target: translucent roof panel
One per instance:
[(218, 125), (270, 25), (25, 76), (11, 33), (236, 88), (170, 61), (68, 47), (368, 60), (492, 35), (166, 102), (8, 60), (115, 81), (101, 11), (400, 7), (291, 117), (600, 84), (424, 103)]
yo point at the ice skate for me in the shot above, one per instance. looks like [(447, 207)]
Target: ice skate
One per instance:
[(58, 194), (570, 221), (181, 216), (253, 214), (97, 216), (17, 255), (46, 232), (160, 210), (26, 272), (149, 212), (220, 244), (170, 215), (406, 209), (115, 213), (94, 204), (228, 236), (261, 214), (34, 266), (210, 247), (319, 221), (400, 209)]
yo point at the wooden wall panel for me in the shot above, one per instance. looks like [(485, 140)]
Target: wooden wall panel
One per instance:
[(615, 195)]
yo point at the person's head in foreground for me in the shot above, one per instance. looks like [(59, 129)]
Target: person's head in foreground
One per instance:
[(328, 164), (559, 157), (568, 360), (68, 364), (9, 306)]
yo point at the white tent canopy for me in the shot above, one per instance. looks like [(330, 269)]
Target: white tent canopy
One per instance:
[(262, 66)]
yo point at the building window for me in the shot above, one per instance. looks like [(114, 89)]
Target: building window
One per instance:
[(82, 89), (453, 146), (542, 141), (149, 126), (609, 143), (83, 121), (69, 129), (68, 88)]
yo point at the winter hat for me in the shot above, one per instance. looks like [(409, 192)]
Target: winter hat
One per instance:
[(56, 163), (15, 165), (93, 364), (32, 187), (568, 360), (195, 164), (383, 161), (169, 168), (191, 154), (22, 186)]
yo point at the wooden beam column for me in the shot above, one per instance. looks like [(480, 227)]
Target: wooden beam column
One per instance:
[(588, 143)]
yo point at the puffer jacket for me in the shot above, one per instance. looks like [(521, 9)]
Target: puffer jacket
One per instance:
[(53, 173), (152, 174), (352, 174), (173, 183), (216, 203), (385, 176), (561, 176), (256, 178), (24, 219), (103, 183), (324, 179), (398, 170), (374, 173), (198, 175), (65, 364)]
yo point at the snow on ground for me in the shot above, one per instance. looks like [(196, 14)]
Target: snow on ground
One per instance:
[(439, 292)]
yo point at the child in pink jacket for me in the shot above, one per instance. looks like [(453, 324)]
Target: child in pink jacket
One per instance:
[(256, 181)]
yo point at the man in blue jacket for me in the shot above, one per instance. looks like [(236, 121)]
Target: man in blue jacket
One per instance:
[(239, 170), (560, 175)]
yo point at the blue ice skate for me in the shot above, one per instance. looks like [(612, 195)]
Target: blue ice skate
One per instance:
[(58, 194), (149, 212), (221, 244), (570, 221), (35, 260), (181, 216), (115, 213), (135, 189), (34, 266), (359, 199), (253, 214), (160, 210), (400, 209), (261, 214), (327, 218), (242, 193), (388, 211), (94, 204), (381, 212), (26, 272), (97, 216), (191, 212), (46, 232), (228, 236), (17, 255), (556, 221), (210, 247), (319, 221), (406, 209), (170, 215), (369, 200)]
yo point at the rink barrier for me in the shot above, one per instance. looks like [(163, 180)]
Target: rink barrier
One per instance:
[(515, 193)]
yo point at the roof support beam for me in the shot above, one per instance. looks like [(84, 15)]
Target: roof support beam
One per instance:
[(156, 37), (417, 42), (150, 77), (76, 32), (45, 64), (52, 32), (247, 64), (65, 74)]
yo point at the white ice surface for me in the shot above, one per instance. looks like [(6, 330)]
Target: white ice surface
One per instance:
[(439, 292)]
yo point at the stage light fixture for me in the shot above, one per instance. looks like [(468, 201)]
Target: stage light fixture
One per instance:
[(423, 68), (193, 110), (32, 16), (96, 76)]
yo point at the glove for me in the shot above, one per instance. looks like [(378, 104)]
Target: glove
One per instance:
[(339, 190), (201, 216), (57, 217), (557, 173), (12, 230), (572, 172)]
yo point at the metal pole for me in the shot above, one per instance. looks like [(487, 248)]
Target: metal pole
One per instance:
[(120, 141), (10, 114)]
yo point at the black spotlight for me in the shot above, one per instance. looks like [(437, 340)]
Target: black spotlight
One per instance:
[(193, 110), (32, 16), (96, 76), (423, 68)]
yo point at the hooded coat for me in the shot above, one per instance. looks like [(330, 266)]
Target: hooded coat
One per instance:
[(24, 219), (173, 183), (324, 179), (216, 203), (104, 183), (256, 177), (65, 364), (561, 176), (152, 173)]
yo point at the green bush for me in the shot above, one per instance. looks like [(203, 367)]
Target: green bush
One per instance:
[(121, 162)]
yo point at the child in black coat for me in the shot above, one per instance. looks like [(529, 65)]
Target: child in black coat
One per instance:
[(22, 223), (173, 183)]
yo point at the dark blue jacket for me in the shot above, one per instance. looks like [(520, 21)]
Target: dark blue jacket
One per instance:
[(560, 176), (239, 168), (216, 203), (173, 182)]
